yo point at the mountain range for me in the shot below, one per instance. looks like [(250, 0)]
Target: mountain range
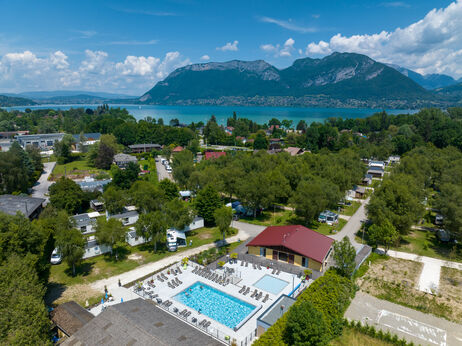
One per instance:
[(429, 81), (337, 80)]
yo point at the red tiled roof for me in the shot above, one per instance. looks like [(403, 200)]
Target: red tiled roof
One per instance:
[(177, 149), (297, 238), (214, 154)]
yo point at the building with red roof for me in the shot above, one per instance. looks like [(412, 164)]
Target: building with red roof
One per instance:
[(293, 244), (214, 154), (177, 149)]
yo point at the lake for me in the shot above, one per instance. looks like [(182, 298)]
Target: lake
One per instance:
[(188, 114)]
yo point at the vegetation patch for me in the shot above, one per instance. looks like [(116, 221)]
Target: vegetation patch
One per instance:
[(396, 280)]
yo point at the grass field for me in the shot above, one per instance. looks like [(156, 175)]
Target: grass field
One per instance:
[(352, 337), (288, 217), (151, 166), (104, 266), (78, 167), (425, 243), (351, 209)]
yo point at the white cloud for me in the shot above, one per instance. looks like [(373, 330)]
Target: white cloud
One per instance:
[(229, 47), (285, 50), (288, 24), (205, 57), (430, 45), (25, 71)]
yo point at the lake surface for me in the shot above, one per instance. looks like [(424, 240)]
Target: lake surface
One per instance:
[(188, 114)]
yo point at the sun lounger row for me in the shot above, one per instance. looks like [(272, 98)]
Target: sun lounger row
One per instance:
[(174, 283), (209, 275), (205, 324), (167, 303), (185, 313)]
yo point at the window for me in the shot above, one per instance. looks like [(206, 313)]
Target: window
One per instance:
[(263, 252), (83, 228), (305, 262), (283, 256)]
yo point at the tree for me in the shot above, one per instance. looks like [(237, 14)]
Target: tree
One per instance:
[(287, 123), (114, 200), (110, 232), (124, 178), (305, 326), (179, 214), (71, 245), (152, 226), (170, 188), (261, 142), (384, 233), (207, 201), (223, 217), (63, 150), (23, 315), (146, 196), (104, 156), (183, 166), (312, 197), (67, 195), (255, 190), (302, 126), (344, 256)]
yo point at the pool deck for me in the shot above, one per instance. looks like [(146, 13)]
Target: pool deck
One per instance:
[(247, 276)]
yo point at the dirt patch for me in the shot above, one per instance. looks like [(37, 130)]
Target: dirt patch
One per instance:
[(81, 293), (396, 280), (136, 257), (204, 235), (451, 289)]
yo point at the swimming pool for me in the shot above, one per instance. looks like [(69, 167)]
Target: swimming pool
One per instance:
[(271, 284), (221, 307)]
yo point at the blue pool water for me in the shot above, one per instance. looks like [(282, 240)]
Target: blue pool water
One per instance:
[(271, 284), (221, 307)]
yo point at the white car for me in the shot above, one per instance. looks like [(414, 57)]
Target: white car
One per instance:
[(55, 257), (169, 169)]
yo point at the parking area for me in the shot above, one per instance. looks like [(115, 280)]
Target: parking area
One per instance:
[(161, 170), (413, 325)]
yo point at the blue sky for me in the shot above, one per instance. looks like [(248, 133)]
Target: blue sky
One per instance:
[(127, 46)]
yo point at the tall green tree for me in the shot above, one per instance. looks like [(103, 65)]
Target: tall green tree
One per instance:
[(260, 142), (110, 232), (170, 188), (179, 213), (152, 226), (23, 315), (305, 326), (344, 256), (183, 166), (114, 200), (63, 149), (146, 196), (223, 217), (207, 201), (71, 245), (384, 233), (67, 195), (255, 191)]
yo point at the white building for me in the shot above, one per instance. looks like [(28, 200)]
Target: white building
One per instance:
[(133, 239), (44, 141), (92, 248), (128, 217), (379, 164), (177, 238), (86, 222)]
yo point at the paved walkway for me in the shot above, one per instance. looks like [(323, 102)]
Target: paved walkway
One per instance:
[(413, 325), (430, 276), (40, 190)]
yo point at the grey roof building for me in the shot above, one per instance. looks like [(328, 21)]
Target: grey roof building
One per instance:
[(95, 185), (273, 313), (70, 317), (138, 322), (144, 148), (28, 206), (122, 160), (42, 141)]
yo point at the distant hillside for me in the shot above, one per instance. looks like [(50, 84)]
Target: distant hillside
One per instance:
[(338, 80), (70, 93), (429, 81), (452, 93), (10, 101)]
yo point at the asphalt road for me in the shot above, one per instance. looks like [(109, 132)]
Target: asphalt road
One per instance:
[(353, 225), (41, 187), (161, 171), (413, 325)]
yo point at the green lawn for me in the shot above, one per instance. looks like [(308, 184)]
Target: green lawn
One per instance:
[(105, 266), (425, 243), (351, 209), (288, 217), (79, 166), (151, 166)]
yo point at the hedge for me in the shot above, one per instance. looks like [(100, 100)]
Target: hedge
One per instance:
[(378, 334), (330, 294)]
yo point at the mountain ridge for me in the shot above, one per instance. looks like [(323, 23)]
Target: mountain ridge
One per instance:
[(348, 79)]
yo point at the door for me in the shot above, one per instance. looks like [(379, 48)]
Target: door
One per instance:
[(275, 255), (263, 252), (291, 259)]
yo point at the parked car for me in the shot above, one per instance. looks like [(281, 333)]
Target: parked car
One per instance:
[(443, 235), (439, 219), (169, 169), (55, 257)]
